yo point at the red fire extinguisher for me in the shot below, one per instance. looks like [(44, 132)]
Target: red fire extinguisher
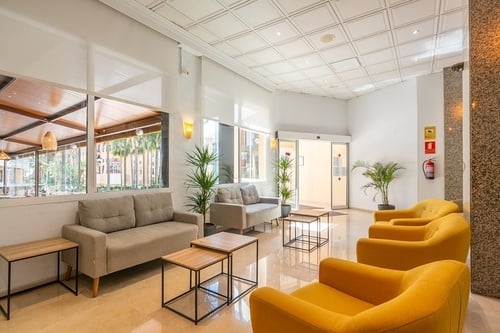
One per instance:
[(428, 168)]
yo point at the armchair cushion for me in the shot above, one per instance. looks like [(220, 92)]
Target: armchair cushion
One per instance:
[(153, 208), (107, 215), (231, 194), (249, 194)]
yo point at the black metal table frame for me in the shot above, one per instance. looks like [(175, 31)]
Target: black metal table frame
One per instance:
[(317, 241), (58, 280), (193, 287)]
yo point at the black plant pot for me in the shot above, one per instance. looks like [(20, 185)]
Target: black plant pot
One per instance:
[(386, 207), (209, 229), (285, 210)]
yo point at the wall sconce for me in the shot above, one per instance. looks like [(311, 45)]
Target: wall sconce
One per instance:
[(274, 144), (49, 141), (188, 129)]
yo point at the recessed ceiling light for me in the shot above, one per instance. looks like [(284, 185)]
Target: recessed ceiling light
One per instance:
[(415, 32), (327, 38), (278, 33)]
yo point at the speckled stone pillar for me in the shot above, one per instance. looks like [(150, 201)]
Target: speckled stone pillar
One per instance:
[(453, 144), (484, 20)]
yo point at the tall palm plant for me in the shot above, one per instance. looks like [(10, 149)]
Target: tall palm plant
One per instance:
[(201, 179), (380, 175)]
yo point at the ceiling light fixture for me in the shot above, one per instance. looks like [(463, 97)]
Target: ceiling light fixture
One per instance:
[(49, 141), (139, 132), (278, 33), (327, 38), (415, 32)]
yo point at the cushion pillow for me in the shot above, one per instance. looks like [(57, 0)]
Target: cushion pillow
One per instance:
[(249, 194), (229, 195), (107, 215), (153, 208)]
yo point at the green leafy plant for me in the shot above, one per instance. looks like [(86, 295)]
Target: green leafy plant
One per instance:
[(380, 175), (201, 179), (284, 166)]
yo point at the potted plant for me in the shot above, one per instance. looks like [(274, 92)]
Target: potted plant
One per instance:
[(380, 175), (200, 183), (284, 165)]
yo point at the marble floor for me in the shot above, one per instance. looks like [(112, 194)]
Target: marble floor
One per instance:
[(130, 300)]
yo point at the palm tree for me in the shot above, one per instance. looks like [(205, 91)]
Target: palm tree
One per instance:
[(122, 148)]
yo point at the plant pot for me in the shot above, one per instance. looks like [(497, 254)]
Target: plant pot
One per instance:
[(285, 210), (209, 229), (386, 207)]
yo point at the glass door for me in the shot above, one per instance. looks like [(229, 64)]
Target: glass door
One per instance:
[(339, 175)]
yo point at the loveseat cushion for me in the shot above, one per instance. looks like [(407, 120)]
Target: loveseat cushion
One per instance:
[(153, 208), (231, 194), (249, 194), (107, 215)]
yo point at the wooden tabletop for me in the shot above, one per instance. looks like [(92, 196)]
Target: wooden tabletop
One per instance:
[(310, 212), (194, 258), (36, 248), (300, 218), (224, 241)]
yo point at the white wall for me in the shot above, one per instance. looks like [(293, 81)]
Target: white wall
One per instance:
[(383, 128)]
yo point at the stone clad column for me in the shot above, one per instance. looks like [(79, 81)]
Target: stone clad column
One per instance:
[(484, 20)]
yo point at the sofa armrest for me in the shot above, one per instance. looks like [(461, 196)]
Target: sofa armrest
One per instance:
[(228, 215), (372, 284), (268, 199), (397, 232), (387, 215), (192, 218), (416, 221), (274, 311), (92, 251)]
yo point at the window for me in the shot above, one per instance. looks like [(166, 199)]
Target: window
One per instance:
[(252, 155)]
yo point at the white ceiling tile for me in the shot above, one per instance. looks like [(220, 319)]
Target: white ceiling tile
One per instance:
[(352, 74), (416, 47), (425, 57), (280, 67), (453, 4), (377, 57), (319, 71), (337, 31), (278, 32), (196, 9), (374, 43), (416, 31), (263, 71), (414, 71), (368, 25), (452, 21), (349, 9), (382, 67), (247, 43), (386, 78), (294, 5), (257, 13), (449, 39), (303, 83), (315, 19), (413, 11), (338, 53), (265, 56), (225, 25), (293, 76), (307, 61), (329, 81), (246, 60), (230, 2), (341, 93), (173, 15), (293, 49), (203, 34), (227, 49), (345, 65)]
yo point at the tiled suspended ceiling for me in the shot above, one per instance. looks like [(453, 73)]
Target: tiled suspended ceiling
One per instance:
[(336, 48)]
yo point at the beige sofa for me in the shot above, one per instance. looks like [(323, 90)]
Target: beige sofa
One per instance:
[(117, 233), (240, 207)]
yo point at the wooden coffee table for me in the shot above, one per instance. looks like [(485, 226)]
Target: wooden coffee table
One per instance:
[(195, 259), (305, 241), (25, 251), (228, 243)]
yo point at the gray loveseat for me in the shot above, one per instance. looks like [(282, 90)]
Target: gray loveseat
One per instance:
[(117, 233), (240, 207)]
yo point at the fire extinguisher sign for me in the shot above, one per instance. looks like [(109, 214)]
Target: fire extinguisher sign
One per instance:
[(430, 147)]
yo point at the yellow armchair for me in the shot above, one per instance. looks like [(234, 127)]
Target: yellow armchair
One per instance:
[(353, 297), (421, 213), (405, 247)]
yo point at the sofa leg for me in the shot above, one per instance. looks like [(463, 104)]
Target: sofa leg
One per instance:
[(67, 275), (95, 287)]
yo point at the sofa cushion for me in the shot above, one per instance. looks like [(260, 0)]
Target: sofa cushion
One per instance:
[(107, 215), (249, 194), (230, 194), (153, 208)]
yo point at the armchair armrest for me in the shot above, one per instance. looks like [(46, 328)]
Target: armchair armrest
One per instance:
[(277, 312), (369, 283), (400, 232), (192, 218), (269, 199), (228, 215), (387, 215), (416, 221), (92, 252)]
